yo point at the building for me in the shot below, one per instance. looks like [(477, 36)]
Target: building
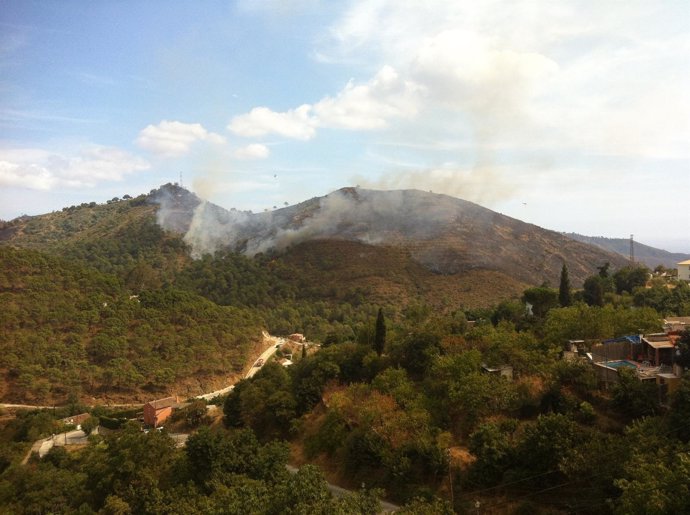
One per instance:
[(676, 325), (658, 349), (505, 371), (684, 270), (156, 412), (297, 337), (76, 420)]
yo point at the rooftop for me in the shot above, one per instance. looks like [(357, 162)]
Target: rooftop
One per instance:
[(163, 403)]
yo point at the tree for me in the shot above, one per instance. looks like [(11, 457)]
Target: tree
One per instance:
[(633, 397), (683, 349), (565, 297), (380, 335), (594, 288), (628, 278), (542, 299), (90, 424), (680, 411)]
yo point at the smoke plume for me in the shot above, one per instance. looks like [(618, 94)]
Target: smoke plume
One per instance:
[(367, 216)]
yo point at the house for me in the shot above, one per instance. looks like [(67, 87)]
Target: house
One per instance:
[(501, 370), (684, 270), (156, 412), (621, 348), (658, 349), (676, 325), (297, 337), (76, 420)]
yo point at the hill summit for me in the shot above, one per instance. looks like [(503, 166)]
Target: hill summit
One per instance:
[(444, 234)]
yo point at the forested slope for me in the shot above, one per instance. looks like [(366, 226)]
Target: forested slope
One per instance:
[(68, 328)]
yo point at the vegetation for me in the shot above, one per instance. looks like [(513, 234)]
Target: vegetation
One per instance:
[(402, 405), (70, 329)]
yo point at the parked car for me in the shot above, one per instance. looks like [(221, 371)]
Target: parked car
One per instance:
[(259, 362)]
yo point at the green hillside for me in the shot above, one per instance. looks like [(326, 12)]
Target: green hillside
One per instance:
[(71, 329)]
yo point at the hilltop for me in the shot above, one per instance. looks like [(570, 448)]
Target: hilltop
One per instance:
[(445, 235)]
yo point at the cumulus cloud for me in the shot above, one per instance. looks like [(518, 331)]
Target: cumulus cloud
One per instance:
[(365, 106), (372, 105), (44, 170), (295, 123), (252, 151), (174, 139)]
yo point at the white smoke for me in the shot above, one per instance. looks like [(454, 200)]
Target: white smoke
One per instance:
[(367, 216)]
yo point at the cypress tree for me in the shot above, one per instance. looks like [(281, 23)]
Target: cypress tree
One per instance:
[(380, 335), (564, 295)]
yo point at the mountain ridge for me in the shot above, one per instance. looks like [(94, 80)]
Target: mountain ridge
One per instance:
[(650, 256), (445, 234)]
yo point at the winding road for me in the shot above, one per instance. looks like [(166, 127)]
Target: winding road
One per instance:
[(274, 342)]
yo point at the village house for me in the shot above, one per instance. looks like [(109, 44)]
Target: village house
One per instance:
[(76, 420), (505, 371), (156, 412), (684, 270), (658, 349), (676, 325), (652, 357)]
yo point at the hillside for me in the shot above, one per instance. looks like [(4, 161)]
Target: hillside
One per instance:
[(68, 329), (108, 300), (418, 244), (352, 271), (445, 235), (650, 256)]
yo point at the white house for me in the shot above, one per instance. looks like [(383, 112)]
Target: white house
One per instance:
[(684, 270)]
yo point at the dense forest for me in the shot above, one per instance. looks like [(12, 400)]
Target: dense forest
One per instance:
[(398, 406)]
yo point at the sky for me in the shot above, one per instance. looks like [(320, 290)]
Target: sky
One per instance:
[(573, 115)]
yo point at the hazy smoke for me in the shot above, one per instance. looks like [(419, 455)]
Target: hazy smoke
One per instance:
[(483, 185), (368, 216)]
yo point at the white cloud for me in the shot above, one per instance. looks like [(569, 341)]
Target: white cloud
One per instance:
[(356, 107), (598, 81), (295, 123), (371, 105), (44, 170), (252, 151), (174, 139)]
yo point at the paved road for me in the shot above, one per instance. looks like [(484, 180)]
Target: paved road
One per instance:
[(339, 491), (272, 341), (266, 354), (43, 446)]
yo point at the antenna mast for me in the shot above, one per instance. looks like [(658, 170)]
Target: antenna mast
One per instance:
[(180, 179)]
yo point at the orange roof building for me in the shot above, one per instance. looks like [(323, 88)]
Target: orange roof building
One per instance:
[(156, 412)]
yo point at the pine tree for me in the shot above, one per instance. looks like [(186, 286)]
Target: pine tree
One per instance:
[(564, 295), (380, 335)]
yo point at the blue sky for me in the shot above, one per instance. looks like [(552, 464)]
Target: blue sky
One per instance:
[(573, 115)]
